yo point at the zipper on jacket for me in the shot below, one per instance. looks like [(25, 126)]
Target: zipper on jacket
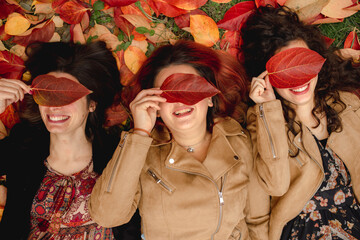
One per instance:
[(220, 195), (121, 144), (297, 159), (262, 116), (158, 180)]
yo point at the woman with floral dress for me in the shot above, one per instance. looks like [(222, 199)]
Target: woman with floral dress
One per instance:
[(306, 137), (57, 152)]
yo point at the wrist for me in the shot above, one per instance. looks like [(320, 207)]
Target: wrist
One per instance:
[(142, 132)]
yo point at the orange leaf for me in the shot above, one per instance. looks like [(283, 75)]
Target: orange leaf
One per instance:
[(119, 3), (10, 117), (42, 32), (336, 9), (204, 30), (48, 90), (352, 40), (183, 20), (162, 34), (134, 10), (72, 12), (134, 58), (122, 23), (163, 7), (3, 35), (187, 4), (320, 19), (16, 24), (77, 35)]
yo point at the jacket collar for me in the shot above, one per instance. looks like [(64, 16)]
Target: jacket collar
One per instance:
[(221, 156)]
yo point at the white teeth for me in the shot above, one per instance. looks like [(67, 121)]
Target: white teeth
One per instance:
[(58, 118), (300, 89), (182, 111)]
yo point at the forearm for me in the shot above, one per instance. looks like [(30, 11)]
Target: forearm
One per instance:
[(116, 193)]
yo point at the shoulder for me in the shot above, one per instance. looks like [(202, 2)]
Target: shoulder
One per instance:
[(229, 127), (351, 100)]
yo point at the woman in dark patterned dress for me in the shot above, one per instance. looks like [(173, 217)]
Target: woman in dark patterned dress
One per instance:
[(57, 153), (306, 138)]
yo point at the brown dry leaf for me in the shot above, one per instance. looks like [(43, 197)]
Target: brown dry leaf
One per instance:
[(34, 20), (97, 30), (162, 34), (16, 24), (55, 38), (43, 8), (134, 57), (58, 21), (204, 30), (320, 19), (2, 46), (140, 44), (111, 40), (137, 20), (335, 9), (19, 50), (77, 34), (312, 10)]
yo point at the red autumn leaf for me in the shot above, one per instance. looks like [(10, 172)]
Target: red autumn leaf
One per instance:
[(71, 11), (11, 66), (42, 32), (236, 16), (3, 35), (187, 4), (352, 40), (115, 115), (328, 41), (122, 22), (293, 67), (183, 20), (321, 19), (134, 10), (187, 88), (52, 91), (260, 3), (10, 117), (119, 3), (7, 8), (163, 7)]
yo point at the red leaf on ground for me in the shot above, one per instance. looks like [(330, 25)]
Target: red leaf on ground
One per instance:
[(115, 115), (52, 91), (11, 66), (293, 67), (3, 35), (187, 88), (6, 9), (328, 41), (72, 12), (236, 16), (183, 20), (10, 117), (260, 3), (163, 7), (187, 4), (119, 3), (42, 32), (352, 40)]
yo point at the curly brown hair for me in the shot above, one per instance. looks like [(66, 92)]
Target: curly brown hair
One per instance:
[(270, 29)]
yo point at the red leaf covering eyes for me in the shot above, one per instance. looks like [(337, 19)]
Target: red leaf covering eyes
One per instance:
[(53, 92), (293, 67), (188, 89)]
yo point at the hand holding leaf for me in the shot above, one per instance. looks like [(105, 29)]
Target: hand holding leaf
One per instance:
[(294, 67), (51, 91), (188, 89)]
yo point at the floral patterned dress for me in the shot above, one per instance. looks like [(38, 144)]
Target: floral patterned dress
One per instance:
[(59, 210), (333, 212)]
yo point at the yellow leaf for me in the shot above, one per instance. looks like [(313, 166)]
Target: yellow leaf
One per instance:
[(16, 24), (221, 1), (204, 30), (134, 57)]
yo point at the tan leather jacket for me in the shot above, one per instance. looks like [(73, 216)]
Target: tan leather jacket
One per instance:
[(293, 181), (179, 197)]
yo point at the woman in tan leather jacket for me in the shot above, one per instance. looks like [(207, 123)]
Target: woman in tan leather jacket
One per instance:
[(306, 138), (191, 177)]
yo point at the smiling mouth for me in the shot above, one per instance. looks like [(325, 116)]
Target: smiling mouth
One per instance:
[(183, 112), (58, 118), (301, 89)]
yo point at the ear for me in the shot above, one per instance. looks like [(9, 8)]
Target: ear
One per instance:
[(210, 102), (92, 106)]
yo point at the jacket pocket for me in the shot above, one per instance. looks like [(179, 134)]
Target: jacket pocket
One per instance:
[(160, 181)]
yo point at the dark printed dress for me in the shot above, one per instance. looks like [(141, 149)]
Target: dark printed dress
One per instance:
[(60, 211), (333, 212)]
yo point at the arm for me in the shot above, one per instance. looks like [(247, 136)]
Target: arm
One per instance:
[(266, 125), (116, 193)]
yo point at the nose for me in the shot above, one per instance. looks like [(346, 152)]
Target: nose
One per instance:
[(55, 108)]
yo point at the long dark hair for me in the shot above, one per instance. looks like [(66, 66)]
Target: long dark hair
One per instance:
[(270, 29), (94, 66), (219, 68)]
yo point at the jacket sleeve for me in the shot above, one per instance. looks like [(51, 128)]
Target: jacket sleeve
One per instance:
[(266, 125), (116, 194)]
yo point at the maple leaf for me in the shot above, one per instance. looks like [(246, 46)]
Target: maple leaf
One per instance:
[(188, 89), (293, 67)]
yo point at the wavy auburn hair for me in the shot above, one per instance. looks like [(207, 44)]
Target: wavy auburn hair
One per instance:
[(217, 67)]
